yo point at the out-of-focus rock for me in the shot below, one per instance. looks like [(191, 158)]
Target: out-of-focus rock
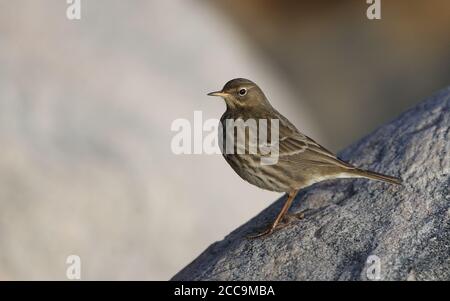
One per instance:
[(86, 108), (353, 73)]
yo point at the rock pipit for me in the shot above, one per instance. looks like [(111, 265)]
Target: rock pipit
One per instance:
[(300, 161)]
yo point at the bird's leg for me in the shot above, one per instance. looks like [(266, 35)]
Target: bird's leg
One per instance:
[(280, 215)]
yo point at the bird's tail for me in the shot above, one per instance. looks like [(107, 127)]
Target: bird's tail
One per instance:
[(360, 173)]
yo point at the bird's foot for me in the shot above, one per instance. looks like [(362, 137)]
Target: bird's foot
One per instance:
[(272, 228), (266, 232), (286, 221)]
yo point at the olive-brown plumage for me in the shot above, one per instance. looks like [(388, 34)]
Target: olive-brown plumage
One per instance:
[(301, 161)]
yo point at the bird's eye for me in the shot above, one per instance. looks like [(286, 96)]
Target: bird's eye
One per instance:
[(242, 92)]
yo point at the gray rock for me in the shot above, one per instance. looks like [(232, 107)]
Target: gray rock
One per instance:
[(357, 229)]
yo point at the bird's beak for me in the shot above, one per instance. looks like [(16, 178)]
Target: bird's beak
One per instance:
[(218, 93)]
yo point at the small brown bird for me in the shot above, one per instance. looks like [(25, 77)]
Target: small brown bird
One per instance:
[(301, 161)]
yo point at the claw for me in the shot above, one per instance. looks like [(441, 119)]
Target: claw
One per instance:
[(262, 234)]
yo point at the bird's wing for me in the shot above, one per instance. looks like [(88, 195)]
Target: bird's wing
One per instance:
[(299, 148)]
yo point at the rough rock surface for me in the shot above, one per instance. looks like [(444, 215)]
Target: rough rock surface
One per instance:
[(407, 228)]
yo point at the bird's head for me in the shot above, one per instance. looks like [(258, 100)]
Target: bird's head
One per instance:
[(241, 93)]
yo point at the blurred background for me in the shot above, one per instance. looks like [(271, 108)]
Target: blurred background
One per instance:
[(86, 109)]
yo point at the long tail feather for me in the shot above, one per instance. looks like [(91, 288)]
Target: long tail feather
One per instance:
[(377, 176)]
